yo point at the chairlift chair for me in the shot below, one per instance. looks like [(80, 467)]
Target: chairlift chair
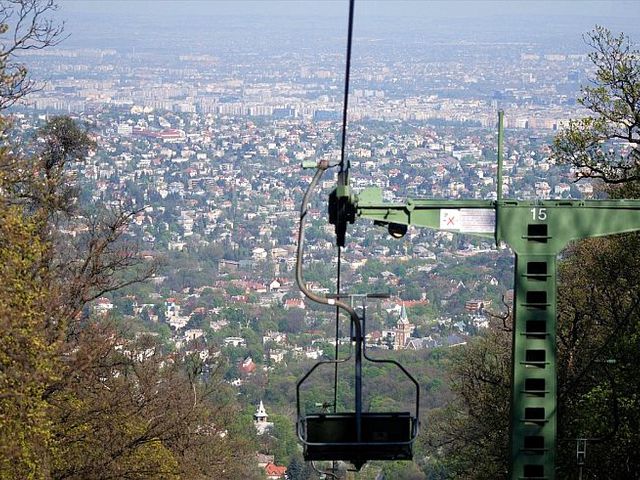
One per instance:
[(358, 436)]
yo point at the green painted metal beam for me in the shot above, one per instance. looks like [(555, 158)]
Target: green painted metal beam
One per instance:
[(536, 231), (533, 422), (565, 220)]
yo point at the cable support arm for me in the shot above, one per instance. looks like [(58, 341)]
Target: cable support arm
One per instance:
[(321, 299)]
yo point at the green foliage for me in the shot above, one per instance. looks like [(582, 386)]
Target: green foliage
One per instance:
[(598, 344), (469, 437), (234, 290), (78, 397), (287, 444), (402, 471), (27, 361), (126, 413), (296, 469), (614, 103)]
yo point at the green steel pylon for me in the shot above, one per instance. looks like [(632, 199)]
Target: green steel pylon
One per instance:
[(536, 231)]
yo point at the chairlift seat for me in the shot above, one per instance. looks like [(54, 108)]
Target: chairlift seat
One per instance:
[(333, 436)]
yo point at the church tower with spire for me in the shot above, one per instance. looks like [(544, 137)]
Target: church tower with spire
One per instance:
[(403, 330), (260, 419)]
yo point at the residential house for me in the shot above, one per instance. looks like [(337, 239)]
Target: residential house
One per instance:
[(235, 342), (274, 286), (103, 305), (275, 472), (248, 366), (294, 303)]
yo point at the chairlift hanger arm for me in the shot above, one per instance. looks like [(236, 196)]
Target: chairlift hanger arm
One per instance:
[(321, 167), (434, 214)]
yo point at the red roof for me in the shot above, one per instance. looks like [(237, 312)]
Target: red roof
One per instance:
[(275, 470), (375, 335), (413, 303), (294, 302), (248, 366)]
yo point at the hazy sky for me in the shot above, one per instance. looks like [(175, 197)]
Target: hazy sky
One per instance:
[(364, 8), (144, 22)]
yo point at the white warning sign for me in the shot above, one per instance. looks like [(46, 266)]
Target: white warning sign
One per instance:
[(468, 220)]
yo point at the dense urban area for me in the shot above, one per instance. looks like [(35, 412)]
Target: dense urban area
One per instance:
[(205, 145)]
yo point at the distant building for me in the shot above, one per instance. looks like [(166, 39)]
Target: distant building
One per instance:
[(172, 309), (248, 366), (476, 306), (103, 305), (235, 342), (403, 330), (421, 343), (263, 459), (125, 129), (276, 355), (275, 337), (294, 303), (193, 334), (275, 472), (260, 420)]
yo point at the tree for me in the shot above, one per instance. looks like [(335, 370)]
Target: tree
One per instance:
[(295, 469), (78, 399), (599, 327), (24, 25), (97, 259), (298, 469), (402, 471), (27, 359), (469, 437), (292, 321), (593, 145), (284, 443), (132, 415), (65, 387), (599, 314)]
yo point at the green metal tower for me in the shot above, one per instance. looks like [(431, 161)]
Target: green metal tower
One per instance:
[(536, 231)]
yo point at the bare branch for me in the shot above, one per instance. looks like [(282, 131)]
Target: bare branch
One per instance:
[(24, 25)]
